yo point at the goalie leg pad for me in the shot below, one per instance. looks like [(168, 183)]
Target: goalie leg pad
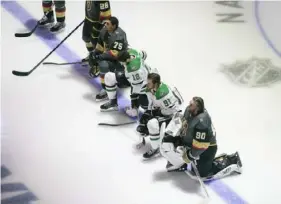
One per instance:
[(168, 151), (154, 132), (110, 85)]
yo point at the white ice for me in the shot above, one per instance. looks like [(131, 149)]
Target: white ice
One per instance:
[(50, 138)]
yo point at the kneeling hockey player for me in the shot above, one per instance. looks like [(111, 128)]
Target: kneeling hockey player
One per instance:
[(191, 138), (112, 41), (163, 104), (135, 74)]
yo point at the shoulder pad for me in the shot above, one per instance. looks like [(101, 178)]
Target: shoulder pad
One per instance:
[(204, 121), (120, 34), (162, 91)]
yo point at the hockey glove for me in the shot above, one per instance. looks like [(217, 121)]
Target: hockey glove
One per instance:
[(93, 62), (146, 116), (188, 157)]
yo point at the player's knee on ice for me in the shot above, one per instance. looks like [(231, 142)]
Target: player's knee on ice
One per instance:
[(154, 132), (205, 163)]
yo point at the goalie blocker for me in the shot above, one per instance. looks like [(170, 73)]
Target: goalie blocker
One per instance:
[(191, 137)]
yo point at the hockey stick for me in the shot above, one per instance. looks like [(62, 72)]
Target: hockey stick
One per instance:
[(67, 63), (18, 73), (201, 183), (21, 35), (116, 124)]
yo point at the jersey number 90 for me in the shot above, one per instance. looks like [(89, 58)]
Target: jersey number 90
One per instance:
[(200, 135)]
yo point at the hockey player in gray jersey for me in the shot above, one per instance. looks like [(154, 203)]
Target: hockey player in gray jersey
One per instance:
[(112, 41), (192, 138)]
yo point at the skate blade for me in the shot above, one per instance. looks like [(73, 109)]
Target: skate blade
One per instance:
[(153, 157), (100, 100), (59, 31), (47, 26), (110, 110)]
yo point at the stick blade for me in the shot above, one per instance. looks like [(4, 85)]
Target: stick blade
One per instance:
[(22, 35), (17, 73), (116, 124)]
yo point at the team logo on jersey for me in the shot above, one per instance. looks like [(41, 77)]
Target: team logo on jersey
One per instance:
[(254, 72)]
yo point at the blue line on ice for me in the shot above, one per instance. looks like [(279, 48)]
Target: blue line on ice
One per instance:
[(18, 12)]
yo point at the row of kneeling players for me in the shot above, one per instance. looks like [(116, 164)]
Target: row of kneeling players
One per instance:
[(180, 137)]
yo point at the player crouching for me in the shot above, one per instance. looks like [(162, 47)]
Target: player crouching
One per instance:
[(192, 138), (163, 104), (135, 74)]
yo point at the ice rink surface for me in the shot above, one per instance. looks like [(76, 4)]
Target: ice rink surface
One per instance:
[(55, 152)]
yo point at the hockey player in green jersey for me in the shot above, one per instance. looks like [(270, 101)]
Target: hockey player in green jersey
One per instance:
[(191, 137), (163, 104), (135, 73)]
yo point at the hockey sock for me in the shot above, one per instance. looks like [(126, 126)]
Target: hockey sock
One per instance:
[(89, 46), (47, 8), (60, 14), (111, 91), (102, 80)]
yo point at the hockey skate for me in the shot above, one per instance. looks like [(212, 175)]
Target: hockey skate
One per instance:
[(111, 105), (171, 168), (58, 27), (101, 96), (46, 22), (224, 165), (151, 153)]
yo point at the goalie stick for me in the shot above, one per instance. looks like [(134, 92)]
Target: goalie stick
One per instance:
[(207, 197), (117, 124), (19, 73)]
